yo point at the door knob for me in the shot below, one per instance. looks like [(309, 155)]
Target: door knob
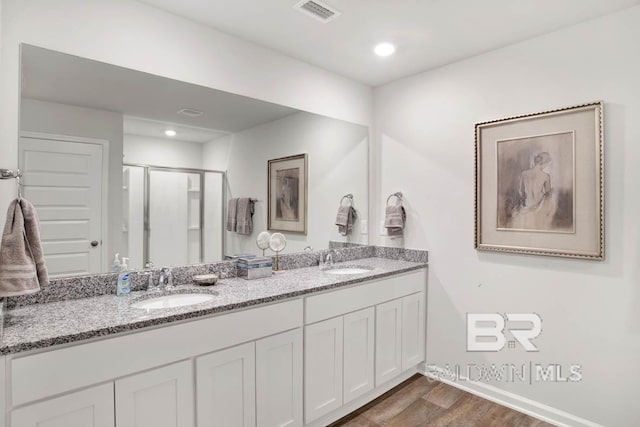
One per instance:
[(94, 243)]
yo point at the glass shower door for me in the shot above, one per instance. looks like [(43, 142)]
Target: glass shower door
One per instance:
[(174, 217)]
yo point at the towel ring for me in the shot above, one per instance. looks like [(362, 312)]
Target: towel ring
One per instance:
[(349, 197), (397, 195)]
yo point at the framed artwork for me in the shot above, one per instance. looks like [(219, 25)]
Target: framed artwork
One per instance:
[(540, 183), (287, 194)]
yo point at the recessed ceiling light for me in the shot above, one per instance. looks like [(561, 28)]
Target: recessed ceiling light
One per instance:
[(170, 132), (384, 49)]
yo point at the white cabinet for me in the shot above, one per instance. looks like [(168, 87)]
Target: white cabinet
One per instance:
[(161, 397), (358, 342), (358, 353), (388, 340), (413, 347), (322, 368), (279, 380), (92, 407), (226, 388)]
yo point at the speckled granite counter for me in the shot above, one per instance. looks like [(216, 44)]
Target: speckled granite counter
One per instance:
[(42, 325)]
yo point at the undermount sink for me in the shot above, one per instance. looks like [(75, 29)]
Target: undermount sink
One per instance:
[(172, 301), (347, 270)]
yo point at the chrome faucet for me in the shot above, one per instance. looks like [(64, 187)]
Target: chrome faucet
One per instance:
[(149, 276), (166, 278), (330, 255)]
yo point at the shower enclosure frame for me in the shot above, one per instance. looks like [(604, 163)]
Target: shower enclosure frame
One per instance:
[(147, 202)]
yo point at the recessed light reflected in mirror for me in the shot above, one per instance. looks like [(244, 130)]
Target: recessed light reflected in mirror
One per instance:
[(384, 49), (170, 132)]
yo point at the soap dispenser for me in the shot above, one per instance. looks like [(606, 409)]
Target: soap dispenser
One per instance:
[(116, 264), (124, 280)]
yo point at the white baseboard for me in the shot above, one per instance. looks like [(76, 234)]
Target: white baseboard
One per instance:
[(511, 400)]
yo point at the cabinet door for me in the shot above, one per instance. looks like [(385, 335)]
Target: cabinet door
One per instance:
[(388, 340), (412, 330), (162, 397), (92, 407), (226, 388), (358, 353), (279, 380), (322, 368)]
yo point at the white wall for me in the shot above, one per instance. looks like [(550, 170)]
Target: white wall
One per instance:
[(590, 310), (69, 120), (215, 154), (162, 152), (338, 160), (134, 35)]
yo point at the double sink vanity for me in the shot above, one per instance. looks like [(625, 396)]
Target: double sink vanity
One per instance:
[(303, 347)]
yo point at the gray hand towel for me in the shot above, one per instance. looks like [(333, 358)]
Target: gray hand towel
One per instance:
[(22, 267), (244, 216), (394, 220), (232, 208), (345, 218)]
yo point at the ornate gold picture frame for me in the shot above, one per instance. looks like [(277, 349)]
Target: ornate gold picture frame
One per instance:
[(540, 183)]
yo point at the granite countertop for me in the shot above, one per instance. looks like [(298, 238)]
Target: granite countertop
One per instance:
[(44, 325)]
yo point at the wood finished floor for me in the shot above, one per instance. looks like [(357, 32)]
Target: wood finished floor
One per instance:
[(421, 402)]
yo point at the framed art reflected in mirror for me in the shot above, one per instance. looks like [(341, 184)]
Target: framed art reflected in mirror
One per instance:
[(287, 194), (539, 183)]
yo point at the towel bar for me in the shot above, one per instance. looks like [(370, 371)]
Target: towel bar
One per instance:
[(10, 173), (13, 174)]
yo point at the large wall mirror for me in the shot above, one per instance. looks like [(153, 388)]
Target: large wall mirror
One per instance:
[(120, 161)]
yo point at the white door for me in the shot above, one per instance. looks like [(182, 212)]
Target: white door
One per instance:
[(162, 397), (226, 388), (92, 407), (358, 353), (63, 180), (279, 380), (412, 330), (388, 340), (322, 368)]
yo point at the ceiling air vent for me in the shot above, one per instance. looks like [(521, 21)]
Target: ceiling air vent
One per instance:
[(321, 11), (190, 113)]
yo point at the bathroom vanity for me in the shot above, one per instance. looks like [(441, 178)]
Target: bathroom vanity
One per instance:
[(304, 347)]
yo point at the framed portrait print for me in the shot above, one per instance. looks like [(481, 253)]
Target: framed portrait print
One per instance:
[(287, 194), (540, 183)]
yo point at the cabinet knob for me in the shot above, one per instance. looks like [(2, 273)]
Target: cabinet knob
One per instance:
[(94, 243)]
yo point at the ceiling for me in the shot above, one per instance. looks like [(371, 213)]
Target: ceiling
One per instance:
[(57, 77), (427, 33), (156, 129)]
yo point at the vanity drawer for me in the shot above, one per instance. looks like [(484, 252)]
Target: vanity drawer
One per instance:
[(339, 302), (49, 373)]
